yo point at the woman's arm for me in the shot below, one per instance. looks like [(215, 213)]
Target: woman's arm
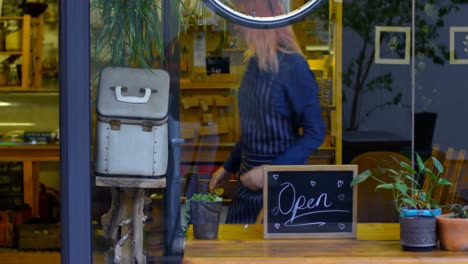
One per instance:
[(232, 164), (302, 91)]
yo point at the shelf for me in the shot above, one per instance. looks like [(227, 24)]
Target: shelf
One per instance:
[(323, 48), (30, 54), (49, 72), (234, 50), (34, 20), (18, 89), (188, 85), (13, 52), (11, 88), (210, 145), (331, 107)]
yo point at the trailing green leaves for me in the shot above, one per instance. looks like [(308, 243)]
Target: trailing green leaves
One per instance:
[(458, 211), (129, 32)]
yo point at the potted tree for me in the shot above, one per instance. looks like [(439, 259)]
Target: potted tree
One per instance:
[(453, 228), (415, 203), (203, 210)]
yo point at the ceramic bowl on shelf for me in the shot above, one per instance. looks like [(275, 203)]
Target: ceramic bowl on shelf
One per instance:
[(35, 9)]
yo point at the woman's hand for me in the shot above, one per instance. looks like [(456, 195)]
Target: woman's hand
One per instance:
[(253, 179), (218, 179)]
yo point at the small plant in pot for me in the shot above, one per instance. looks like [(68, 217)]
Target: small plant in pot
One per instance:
[(414, 202), (203, 210), (453, 228)]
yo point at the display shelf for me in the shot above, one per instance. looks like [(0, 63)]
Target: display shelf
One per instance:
[(324, 59), (209, 144), (321, 48), (34, 20), (189, 85), (13, 52), (10, 88), (19, 89), (30, 53)]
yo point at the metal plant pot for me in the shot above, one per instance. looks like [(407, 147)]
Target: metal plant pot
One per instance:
[(418, 230), (205, 219)]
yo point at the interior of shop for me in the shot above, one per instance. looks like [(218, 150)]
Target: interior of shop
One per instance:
[(29, 122)]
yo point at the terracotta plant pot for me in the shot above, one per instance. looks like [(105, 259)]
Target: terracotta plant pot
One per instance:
[(453, 233)]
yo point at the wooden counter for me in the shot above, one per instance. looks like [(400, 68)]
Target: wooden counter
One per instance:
[(236, 244), (31, 156)]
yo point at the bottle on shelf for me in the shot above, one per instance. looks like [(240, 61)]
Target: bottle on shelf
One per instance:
[(50, 66), (13, 36), (3, 75), (51, 13), (50, 61), (13, 76), (2, 35)]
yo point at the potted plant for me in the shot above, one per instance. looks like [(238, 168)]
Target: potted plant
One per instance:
[(203, 210), (413, 200), (453, 228)]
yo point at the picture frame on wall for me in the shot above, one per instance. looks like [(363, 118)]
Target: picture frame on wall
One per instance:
[(459, 45), (392, 45)]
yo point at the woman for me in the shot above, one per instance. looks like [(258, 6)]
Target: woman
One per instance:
[(277, 96)]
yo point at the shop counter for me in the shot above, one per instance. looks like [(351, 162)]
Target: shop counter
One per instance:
[(375, 243), (31, 156)]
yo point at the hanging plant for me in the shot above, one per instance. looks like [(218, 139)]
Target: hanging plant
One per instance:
[(129, 32)]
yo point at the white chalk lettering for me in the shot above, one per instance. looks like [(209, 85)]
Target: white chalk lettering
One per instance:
[(300, 206)]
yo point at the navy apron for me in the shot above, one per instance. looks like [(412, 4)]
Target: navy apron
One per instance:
[(265, 134)]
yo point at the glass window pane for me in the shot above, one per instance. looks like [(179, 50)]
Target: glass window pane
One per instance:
[(389, 86)]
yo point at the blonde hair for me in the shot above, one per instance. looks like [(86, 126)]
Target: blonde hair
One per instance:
[(263, 44)]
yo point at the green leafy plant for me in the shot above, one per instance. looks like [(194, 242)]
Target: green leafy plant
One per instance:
[(130, 32), (458, 211), (198, 197), (407, 191), (205, 197)]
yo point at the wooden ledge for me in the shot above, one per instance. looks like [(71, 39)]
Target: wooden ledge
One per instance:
[(245, 244), (131, 182)]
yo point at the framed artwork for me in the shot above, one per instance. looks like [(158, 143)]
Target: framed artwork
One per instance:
[(459, 45), (392, 45)]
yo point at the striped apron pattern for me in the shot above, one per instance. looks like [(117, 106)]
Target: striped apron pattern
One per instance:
[(265, 135)]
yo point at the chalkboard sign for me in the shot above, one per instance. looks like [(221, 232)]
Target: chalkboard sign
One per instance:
[(309, 201)]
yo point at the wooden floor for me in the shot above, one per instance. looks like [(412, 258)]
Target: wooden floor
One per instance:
[(22, 257), (38, 257), (14, 257)]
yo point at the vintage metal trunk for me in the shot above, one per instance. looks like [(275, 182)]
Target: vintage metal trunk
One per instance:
[(131, 146)]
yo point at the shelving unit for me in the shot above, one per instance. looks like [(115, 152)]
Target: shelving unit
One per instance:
[(208, 121), (30, 53), (324, 59)]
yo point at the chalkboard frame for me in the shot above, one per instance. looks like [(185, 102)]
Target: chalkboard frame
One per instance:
[(308, 168)]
